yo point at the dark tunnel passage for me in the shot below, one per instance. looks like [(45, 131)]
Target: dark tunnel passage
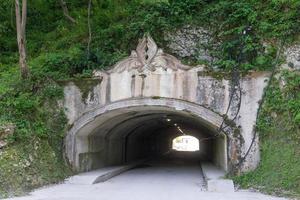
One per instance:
[(128, 135)]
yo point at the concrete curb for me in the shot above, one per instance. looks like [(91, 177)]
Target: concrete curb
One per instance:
[(214, 178), (101, 175), (115, 172)]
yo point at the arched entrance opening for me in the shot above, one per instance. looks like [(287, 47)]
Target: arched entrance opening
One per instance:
[(185, 143), (130, 130)]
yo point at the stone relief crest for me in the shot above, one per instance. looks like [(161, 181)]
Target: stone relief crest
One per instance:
[(148, 56)]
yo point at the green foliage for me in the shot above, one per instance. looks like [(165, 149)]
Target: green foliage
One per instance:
[(30, 164), (278, 18), (33, 156), (25, 106), (278, 126), (116, 26), (279, 169), (60, 65), (238, 27)]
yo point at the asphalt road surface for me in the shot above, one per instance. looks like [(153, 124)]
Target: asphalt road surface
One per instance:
[(168, 179)]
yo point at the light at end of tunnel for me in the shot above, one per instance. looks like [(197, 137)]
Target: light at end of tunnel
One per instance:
[(185, 143)]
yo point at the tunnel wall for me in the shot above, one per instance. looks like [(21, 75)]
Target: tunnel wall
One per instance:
[(191, 86), (103, 152), (96, 132), (219, 154)]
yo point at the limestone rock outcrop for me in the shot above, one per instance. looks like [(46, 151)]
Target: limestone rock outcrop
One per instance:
[(5, 131), (292, 54), (196, 42)]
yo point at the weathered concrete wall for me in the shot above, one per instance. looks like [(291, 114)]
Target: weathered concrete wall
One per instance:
[(220, 152), (164, 78), (186, 85)]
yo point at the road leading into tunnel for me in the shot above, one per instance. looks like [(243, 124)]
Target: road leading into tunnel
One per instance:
[(168, 178)]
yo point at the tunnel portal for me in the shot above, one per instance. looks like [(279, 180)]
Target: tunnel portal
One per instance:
[(121, 115)]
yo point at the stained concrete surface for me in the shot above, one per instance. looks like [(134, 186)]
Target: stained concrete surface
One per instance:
[(163, 179), (151, 82)]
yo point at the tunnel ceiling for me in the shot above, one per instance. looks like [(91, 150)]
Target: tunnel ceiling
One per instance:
[(144, 123)]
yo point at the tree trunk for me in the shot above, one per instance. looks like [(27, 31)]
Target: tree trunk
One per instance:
[(90, 30), (21, 39)]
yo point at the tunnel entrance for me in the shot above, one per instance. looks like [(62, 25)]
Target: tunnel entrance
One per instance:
[(185, 143), (132, 130)]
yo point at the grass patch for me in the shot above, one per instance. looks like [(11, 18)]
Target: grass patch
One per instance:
[(279, 169)]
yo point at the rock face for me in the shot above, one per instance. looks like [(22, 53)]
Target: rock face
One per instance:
[(194, 42), (292, 55), (139, 91), (5, 131)]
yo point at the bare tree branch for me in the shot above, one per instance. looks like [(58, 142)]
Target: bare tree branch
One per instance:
[(89, 27), (12, 15), (24, 17), (18, 18), (63, 5)]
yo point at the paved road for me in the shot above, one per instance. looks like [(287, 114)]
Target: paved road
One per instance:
[(159, 180)]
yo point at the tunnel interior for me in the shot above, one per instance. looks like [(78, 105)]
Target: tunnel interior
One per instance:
[(132, 134)]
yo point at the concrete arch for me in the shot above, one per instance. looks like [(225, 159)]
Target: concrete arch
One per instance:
[(111, 134)]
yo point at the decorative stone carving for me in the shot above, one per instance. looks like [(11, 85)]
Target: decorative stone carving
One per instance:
[(148, 56)]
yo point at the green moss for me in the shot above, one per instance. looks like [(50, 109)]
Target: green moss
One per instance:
[(156, 97), (236, 132), (85, 85), (227, 75), (215, 74), (229, 122)]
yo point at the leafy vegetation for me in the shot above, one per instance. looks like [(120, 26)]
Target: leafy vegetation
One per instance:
[(34, 155), (29, 164), (279, 129), (116, 26), (57, 49)]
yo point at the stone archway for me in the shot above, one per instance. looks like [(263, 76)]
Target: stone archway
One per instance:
[(98, 138)]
